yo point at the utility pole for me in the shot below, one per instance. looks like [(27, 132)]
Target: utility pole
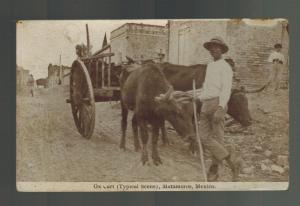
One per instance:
[(87, 39), (60, 70)]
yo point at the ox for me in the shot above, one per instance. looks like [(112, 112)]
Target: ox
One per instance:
[(149, 95), (181, 77)]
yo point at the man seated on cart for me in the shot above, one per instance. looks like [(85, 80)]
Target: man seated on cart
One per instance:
[(81, 50)]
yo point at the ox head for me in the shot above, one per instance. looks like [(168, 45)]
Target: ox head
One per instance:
[(238, 105), (179, 113)]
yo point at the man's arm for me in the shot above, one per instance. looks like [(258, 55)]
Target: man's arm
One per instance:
[(226, 82), (270, 59), (282, 59)]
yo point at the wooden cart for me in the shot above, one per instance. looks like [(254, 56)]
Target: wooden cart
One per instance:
[(93, 78)]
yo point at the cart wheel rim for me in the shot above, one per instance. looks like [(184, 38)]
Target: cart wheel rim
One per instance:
[(82, 99)]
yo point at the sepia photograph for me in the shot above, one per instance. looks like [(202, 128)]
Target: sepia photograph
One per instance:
[(152, 105)]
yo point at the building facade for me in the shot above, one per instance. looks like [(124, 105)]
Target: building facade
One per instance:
[(23, 77), (139, 42), (58, 75)]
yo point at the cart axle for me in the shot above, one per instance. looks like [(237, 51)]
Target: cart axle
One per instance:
[(83, 99)]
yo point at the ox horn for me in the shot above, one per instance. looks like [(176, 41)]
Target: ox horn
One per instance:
[(255, 90), (159, 98), (166, 96), (130, 60), (169, 92), (184, 100)]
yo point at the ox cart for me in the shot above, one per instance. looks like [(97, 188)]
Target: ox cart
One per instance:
[(93, 78)]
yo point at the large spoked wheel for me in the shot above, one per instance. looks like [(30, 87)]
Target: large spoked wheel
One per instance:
[(82, 99)]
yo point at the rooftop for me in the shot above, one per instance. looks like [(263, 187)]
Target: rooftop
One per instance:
[(137, 24)]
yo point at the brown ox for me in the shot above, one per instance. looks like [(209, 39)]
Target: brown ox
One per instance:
[(149, 95), (181, 78)]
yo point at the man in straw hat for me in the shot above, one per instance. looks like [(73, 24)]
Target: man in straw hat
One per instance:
[(276, 59), (214, 96)]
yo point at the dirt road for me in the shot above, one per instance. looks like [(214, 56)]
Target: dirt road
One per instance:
[(49, 148)]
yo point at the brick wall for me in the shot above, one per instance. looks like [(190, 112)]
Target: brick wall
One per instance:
[(249, 45)]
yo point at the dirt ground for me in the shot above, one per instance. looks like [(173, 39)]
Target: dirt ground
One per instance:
[(49, 148)]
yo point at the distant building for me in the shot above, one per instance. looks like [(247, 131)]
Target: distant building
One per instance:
[(23, 77), (58, 75), (139, 42)]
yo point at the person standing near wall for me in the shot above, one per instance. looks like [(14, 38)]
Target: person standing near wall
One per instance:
[(276, 59), (214, 96)]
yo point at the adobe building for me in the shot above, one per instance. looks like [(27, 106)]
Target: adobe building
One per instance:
[(22, 76), (139, 42), (56, 77), (250, 43)]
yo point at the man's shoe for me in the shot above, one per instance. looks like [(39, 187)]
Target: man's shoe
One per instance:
[(213, 174), (235, 164)]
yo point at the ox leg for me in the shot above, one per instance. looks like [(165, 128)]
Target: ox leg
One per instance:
[(137, 145), (144, 136), (164, 134), (124, 126), (155, 155)]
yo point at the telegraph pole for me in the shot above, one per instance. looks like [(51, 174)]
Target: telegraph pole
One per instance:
[(87, 39), (60, 69)]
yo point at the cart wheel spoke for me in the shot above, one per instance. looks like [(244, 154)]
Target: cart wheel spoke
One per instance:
[(87, 110), (82, 99)]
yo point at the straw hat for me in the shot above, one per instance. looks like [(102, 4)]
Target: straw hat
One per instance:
[(216, 41), (277, 46)]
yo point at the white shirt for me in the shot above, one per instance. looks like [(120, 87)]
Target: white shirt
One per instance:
[(218, 82), (276, 55)]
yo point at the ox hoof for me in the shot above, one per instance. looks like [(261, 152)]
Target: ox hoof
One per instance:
[(122, 147), (137, 148), (145, 159), (167, 143), (157, 161), (212, 177)]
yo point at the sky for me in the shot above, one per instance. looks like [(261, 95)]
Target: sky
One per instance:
[(41, 42)]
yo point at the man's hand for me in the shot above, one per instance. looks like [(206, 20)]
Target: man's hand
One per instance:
[(197, 93), (194, 99), (219, 114)]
